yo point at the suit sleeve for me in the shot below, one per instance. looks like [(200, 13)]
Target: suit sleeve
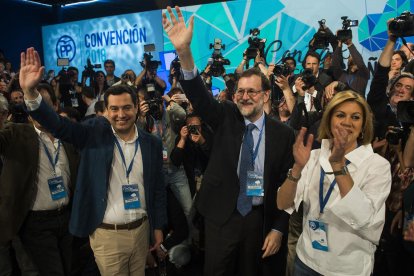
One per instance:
[(281, 221), (60, 127), (160, 196)]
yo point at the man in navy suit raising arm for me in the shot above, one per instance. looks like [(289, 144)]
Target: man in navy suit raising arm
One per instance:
[(120, 192)]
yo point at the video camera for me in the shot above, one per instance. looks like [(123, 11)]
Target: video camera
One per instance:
[(89, 69), (321, 37), (346, 32), (255, 44), (147, 62), (217, 61), (154, 101), (403, 25)]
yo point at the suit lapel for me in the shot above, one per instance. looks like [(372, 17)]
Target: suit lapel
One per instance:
[(270, 151), (146, 153)]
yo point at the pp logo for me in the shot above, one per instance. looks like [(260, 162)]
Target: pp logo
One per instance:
[(66, 47), (312, 225)]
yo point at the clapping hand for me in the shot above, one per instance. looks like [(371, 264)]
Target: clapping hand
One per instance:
[(340, 139), (301, 152)]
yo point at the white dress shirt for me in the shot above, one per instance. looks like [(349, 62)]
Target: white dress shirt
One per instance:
[(115, 212), (43, 200), (355, 222)]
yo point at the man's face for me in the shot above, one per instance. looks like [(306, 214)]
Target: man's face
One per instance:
[(396, 62), (402, 91), (3, 86), (194, 121), (121, 112), (109, 69), (251, 107), (313, 64), (16, 97), (291, 64)]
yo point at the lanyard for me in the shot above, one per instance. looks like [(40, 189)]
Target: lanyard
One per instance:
[(129, 169), (256, 150), (323, 201), (49, 156)]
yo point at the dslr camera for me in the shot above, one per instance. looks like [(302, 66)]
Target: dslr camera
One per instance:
[(192, 129), (282, 70), (176, 64), (403, 25), (147, 62), (346, 32), (217, 61), (255, 44), (308, 79), (89, 69), (405, 115)]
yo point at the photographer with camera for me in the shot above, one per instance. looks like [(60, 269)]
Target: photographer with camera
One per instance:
[(99, 85), (17, 110), (356, 75), (311, 83), (148, 77), (127, 78)]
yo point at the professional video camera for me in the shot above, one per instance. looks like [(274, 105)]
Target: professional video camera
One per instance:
[(255, 44), (89, 71), (346, 32), (282, 70), (403, 25), (321, 37), (217, 61), (147, 62), (308, 79)]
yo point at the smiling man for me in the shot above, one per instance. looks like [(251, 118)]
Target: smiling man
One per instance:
[(120, 191), (245, 232)]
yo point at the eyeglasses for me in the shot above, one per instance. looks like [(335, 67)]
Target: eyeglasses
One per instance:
[(250, 92)]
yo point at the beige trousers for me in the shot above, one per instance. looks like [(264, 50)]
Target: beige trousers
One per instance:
[(121, 252)]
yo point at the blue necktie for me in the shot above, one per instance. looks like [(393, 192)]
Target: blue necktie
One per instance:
[(244, 202)]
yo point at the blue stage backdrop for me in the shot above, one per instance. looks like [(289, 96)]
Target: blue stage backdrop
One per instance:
[(120, 38), (287, 25)]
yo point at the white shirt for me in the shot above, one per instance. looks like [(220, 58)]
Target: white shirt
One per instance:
[(308, 98), (43, 200), (355, 222), (115, 212)]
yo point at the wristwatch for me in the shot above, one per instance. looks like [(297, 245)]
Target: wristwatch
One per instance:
[(291, 177), (343, 171)]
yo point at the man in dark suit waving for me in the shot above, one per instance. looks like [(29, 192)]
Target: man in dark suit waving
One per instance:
[(249, 160), (120, 191)]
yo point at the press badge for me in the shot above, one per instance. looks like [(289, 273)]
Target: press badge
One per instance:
[(74, 102), (130, 194), (56, 188), (254, 184), (164, 154), (318, 230)]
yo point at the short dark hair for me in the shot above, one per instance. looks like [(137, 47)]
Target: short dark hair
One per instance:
[(175, 90), (119, 90), (49, 90), (99, 106), (311, 54), (88, 92), (256, 72), (73, 68), (289, 58), (72, 113), (403, 57), (109, 61)]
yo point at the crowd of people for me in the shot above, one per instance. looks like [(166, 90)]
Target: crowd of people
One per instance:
[(279, 174)]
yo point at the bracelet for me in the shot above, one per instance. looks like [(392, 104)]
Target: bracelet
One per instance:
[(291, 177)]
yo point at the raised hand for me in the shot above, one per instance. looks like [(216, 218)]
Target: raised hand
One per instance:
[(179, 35), (31, 72), (301, 152)]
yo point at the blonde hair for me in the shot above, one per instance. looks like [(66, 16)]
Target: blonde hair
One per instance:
[(367, 132)]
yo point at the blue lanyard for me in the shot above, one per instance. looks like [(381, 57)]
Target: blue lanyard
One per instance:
[(324, 201), (49, 156), (256, 150), (129, 169)]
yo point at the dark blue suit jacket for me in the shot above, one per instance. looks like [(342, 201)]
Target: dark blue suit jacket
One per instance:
[(96, 141)]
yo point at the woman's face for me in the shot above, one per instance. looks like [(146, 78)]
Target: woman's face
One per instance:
[(348, 115), (396, 62), (100, 78)]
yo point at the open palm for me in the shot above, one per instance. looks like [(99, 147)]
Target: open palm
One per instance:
[(31, 71), (179, 35)]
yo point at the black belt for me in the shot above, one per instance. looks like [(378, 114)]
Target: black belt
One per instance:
[(50, 213), (128, 226)]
